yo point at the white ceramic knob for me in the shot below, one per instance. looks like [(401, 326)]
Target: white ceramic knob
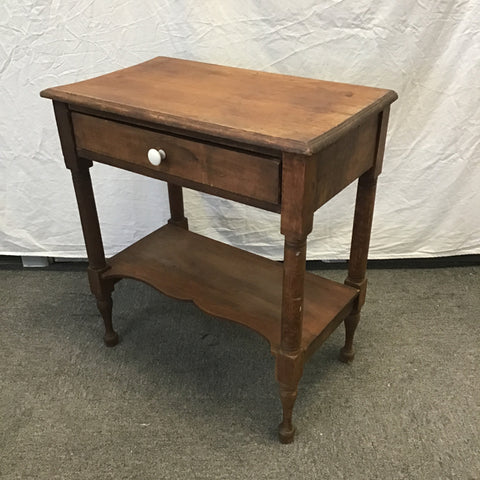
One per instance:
[(155, 156)]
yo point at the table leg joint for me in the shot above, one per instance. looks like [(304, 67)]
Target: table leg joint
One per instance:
[(361, 286)]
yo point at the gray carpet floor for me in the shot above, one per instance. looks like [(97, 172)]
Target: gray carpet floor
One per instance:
[(186, 396)]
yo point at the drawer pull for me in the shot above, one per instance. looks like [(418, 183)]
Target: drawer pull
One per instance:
[(155, 156)]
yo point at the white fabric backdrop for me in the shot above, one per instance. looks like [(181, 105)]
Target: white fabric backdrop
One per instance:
[(428, 51)]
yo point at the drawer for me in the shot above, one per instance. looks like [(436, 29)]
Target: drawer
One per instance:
[(201, 164)]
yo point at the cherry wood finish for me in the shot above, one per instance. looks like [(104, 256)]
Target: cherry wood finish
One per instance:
[(230, 283), (175, 199), (255, 176), (287, 113), (281, 143), (88, 216)]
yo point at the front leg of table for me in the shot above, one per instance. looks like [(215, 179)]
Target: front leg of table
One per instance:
[(82, 183), (102, 289), (296, 224), (290, 359)]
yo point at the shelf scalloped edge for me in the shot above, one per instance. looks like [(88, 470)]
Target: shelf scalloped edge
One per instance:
[(230, 283)]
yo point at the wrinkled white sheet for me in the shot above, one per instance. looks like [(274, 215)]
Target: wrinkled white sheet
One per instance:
[(428, 198)]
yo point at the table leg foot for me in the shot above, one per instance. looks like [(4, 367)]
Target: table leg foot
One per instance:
[(346, 356), (104, 305), (285, 434), (111, 339), (286, 430), (347, 352)]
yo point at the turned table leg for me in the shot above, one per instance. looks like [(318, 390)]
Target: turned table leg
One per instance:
[(82, 183), (102, 289), (289, 360), (104, 305), (362, 227), (296, 223), (357, 267), (175, 198)]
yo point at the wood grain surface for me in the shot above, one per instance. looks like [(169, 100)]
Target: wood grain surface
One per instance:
[(246, 174), (229, 283), (287, 113), (282, 143)]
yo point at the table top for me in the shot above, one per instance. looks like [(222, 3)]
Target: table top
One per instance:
[(281, 112)]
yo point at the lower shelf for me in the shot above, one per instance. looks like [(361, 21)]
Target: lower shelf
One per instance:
[(230, 283)]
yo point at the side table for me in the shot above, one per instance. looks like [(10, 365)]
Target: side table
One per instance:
[(280, 143)]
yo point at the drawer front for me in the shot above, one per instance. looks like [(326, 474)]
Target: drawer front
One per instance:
[(244, 174)]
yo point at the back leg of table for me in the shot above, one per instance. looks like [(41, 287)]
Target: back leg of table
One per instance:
[(357, 269), (177, 215)]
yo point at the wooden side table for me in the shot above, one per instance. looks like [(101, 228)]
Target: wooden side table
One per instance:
[(276, 142)]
